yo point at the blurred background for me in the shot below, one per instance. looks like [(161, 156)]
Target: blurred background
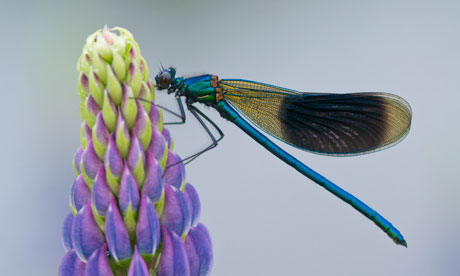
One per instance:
[(264, 218)]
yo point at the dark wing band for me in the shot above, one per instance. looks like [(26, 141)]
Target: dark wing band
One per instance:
[(332, 124)]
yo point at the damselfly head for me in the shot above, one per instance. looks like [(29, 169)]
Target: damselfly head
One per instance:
[(165, 78)]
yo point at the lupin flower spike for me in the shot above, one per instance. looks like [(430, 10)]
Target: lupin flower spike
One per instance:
[(129, 214)]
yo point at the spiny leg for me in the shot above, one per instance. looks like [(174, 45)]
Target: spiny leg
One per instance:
[(197, 113), (215, 141)]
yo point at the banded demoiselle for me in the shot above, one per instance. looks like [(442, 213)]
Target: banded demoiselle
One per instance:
[(322, 123)]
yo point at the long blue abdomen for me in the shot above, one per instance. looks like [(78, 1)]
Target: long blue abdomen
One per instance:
[(228, 112)]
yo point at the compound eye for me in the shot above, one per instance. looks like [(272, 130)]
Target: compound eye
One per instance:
[(164, 80)]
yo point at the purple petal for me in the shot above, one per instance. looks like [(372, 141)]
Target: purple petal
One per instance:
[(80, 195), (129, 201), (148, 227), (135, 151), (83, 85), (66, 232), (129, 193), (86, 236), (157, 144), (71, 265), (113, 165), (77, 160), (143, 94), (91, 105), (199, 251), (173, 260), (141, 118), (112, 157), (116, 234), (98, 263), (194, 202), (176, 214), (137, 267), (149, 84), (84, 81), (154, 184), (101, 196), (100, 130), (90, 163), (175, 173), (203, 229), (100, 136), (85, 135), (154, 115), (91, 110), (167, 136), (132, 55)]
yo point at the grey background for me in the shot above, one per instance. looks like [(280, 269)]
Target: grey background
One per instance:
[(264, 217)]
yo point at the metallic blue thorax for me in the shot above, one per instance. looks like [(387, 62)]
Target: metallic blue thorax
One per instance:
[(202, 89)]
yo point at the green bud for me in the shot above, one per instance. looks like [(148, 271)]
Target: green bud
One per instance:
[(100, 221), (90, 111), (164, 158), (82, 109), (159, 124), (136, 160), (134, 78), (100, 136), (104, 43), (113, 86), (145, 94), (85, 135), (98, 65), (84, 63), (118, 65), (128, 106), (82, 86), (90, 39), (95, 87), (130, 222), (109, 112), (122, 137), (113, 181), (143, 128), (144, 69), (159, 206)]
